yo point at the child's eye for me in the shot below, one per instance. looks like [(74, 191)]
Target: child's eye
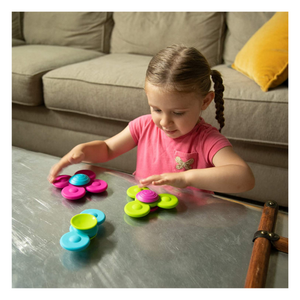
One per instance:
[(178, 113), (156, 110)]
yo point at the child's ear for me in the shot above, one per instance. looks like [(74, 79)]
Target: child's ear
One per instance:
[(207, 100)]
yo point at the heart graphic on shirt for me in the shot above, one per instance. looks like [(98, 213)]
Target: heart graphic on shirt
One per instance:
[(181, 164)]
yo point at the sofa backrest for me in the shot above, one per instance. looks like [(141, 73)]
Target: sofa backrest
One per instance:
[(218, 35), (240, 27), (17, 25), (85, 30), (148, 32)]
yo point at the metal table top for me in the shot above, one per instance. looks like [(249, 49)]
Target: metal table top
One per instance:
[(205, 242)]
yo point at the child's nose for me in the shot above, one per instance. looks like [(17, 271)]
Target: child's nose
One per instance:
[(165, 121)]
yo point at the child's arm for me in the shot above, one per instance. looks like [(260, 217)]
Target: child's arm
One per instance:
[(95, 152), (230, 175)]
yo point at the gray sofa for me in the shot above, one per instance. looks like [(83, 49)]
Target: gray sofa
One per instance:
[(79, 76)]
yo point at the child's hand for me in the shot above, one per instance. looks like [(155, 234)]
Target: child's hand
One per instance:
[(75, 156), (174, 179)]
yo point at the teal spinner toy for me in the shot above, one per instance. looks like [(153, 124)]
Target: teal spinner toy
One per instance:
[(147, 201), (84, 227)]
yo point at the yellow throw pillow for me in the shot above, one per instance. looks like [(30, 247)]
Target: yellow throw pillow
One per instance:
[(264, 58)]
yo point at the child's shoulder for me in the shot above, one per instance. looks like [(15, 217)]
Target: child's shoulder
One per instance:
[(142, 123), (144, 118), (210, 135), (206, 128)]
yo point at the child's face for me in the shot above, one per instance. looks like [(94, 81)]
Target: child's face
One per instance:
[(174, 113)]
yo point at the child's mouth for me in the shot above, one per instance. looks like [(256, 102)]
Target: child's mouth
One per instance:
[(169, 132)]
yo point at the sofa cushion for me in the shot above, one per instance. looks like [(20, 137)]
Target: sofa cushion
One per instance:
[(240, 27), (85, 30), (251, 114), (17, 42), (31, 62), (264, 58), (111, 86), (148, 32)]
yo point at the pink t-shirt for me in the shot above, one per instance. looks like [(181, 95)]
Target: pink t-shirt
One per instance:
[(157, 153)]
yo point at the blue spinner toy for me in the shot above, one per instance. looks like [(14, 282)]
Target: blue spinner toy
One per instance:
[(84, 227)]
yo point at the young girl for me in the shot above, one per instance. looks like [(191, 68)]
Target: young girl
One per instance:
[(175, 145)]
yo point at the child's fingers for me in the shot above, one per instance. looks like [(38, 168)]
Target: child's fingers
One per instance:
[(159, 182), (143, 183), (155, 179), (73, 157), (173, 179), (57, 168), (146, 180)]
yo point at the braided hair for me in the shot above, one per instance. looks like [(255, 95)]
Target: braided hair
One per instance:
[(185, 69), (219, 101)]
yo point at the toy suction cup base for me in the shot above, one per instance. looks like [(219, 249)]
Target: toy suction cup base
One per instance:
[(97, 186), (71, 192), (74, 242), (137, 209), (133, 190), (61, 181), (167, 201)]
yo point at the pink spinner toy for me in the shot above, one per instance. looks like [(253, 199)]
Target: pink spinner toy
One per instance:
[(74, 187)]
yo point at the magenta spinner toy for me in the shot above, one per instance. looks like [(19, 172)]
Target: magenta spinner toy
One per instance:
[(75, 187)]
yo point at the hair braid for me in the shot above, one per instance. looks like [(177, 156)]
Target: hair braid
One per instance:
[(219, 101)]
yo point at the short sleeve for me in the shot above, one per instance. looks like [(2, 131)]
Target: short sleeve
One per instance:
[(136, 127), (214, 141)]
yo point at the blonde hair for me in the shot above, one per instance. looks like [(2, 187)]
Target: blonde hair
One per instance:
[(185, 69)]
